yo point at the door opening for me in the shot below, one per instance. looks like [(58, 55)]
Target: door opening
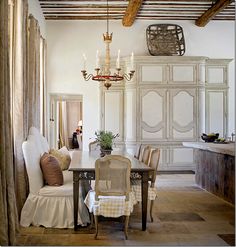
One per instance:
[(66, 121)]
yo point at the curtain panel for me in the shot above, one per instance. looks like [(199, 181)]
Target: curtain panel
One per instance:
[(33, 74), (43, 91), (8, 210), (19, 100)]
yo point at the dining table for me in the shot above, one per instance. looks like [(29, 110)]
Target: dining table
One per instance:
[(83, 168)]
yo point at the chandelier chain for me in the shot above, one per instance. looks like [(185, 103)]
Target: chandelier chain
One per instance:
[(107, 18)]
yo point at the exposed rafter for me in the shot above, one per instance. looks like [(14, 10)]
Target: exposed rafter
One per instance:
[(211, 12), (149, 10), (131, 12)]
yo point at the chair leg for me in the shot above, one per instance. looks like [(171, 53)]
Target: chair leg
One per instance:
[(91, 220), (96, 226), (126, 226), (151, 207)]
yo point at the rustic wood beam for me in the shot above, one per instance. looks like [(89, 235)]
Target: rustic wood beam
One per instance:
[(211, 12), (131, 12)]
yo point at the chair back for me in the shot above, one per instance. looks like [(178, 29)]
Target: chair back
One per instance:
[(154, 162), (112, 176), (32, 154), (138, 151), (145, 155), (40, 139), (93, 146)]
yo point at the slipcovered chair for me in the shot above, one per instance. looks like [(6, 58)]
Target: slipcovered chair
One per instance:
[(152, 191), (138, 151), (93, 146), (145, 154), (112, 196), (49, 206)]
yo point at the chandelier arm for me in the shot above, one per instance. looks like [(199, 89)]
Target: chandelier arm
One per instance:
[(127, 77), (87, 77)]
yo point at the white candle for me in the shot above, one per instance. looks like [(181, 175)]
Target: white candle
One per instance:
[(132, 61), (84, 62), (97, 60), (118, 60)]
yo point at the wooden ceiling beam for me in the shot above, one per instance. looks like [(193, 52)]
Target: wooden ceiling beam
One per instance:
[(211, 12), (131, 12)]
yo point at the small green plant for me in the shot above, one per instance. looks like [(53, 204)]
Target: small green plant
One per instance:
[(105, 139)]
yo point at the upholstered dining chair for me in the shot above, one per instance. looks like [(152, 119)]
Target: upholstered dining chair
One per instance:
[(93, 146), (145, 154), (112, 196), (152, 191), (154, 162), (137, 151)]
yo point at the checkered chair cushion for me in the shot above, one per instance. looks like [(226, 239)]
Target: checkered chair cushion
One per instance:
[(136, 189), (110, 206)]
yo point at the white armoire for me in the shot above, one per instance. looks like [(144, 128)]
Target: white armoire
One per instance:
[(169, 100)]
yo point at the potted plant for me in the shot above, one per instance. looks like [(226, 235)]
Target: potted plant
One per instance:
[(105, 141)]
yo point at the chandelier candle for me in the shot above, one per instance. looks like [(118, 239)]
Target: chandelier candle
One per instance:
[(97, 60), (105, 75), (118, 60), (132, 61), (84, 62)]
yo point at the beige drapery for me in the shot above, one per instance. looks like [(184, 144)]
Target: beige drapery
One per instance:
[(25, 89), (33, 72), (8, 211), (62, 120), (19, 98), (43, 92)]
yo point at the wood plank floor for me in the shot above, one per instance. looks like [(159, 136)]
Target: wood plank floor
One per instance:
[(184, 215)]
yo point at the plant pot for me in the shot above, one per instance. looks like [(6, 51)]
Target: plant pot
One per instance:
[(105, 152)]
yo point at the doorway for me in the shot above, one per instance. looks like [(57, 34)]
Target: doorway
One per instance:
[(66, 121)]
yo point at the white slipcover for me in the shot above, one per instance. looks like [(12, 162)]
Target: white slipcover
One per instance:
[(49, 206)]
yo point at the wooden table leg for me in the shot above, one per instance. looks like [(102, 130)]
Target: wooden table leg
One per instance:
[(75, 197), (144, 199)]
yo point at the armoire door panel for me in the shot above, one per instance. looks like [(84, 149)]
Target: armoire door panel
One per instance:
[(152, 105), (183, 108), (215, 112), (152, 135), (113, 113), (183, 115), (215, 75), (183, 74), (153, 114), (130, 115), (180, 156), (183, 135), (152, 74)]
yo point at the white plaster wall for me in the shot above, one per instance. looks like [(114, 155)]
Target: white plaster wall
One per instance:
[(68, 40), (36, 11)]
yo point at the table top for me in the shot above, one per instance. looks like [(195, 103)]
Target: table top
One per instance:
[(228, 148), (85, 161)]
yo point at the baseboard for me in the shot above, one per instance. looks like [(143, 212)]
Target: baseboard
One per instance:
[(176, 172)]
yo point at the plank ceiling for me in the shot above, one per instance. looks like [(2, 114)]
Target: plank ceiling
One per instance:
[(147, 10)]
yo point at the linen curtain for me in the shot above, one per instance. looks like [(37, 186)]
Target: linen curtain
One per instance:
[(8, 210), (33, 72), (19, 98), (62, 122), (25, 88), (43, 92)]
